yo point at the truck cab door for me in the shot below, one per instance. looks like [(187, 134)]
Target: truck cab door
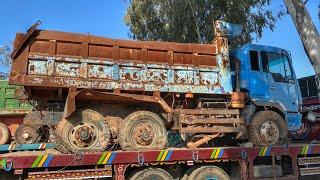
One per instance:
[(282, 81)]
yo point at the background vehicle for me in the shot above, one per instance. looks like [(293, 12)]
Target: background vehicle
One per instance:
[(12, 111)]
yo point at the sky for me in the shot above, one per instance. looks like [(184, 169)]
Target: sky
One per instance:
[(105, 18)]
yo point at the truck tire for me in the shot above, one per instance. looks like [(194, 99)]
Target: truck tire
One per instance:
[(151, 173), (25, 134), (4, 134), (142, 130), (84, 131), (268, 128), (206, 172)]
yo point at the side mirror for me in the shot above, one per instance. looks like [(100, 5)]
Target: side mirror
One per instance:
[(231, 30)]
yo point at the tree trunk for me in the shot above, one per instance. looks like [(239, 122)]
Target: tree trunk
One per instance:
[(308, 34)]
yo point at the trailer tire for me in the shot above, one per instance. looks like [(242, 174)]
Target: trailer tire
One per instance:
[(4, 134), (151, 173), (96, 137), (205, 172), (268, 128), (142, 130)]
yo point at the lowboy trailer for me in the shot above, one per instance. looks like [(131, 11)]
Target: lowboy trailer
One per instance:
[(273, 162)]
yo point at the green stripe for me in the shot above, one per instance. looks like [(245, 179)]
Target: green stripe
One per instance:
[(303, 149), (261, 151), (160, 155), (213, 153), (36, 162), (103, 155)]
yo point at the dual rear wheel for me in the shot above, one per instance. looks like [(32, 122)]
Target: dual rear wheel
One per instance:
[(87, 131)]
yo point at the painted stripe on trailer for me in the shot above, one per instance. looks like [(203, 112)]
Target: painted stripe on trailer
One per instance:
[(113, 155), (47, 162), (265, 151), (43, 159), (306, 149), (217, 153), (160, 155), (106, 158), (164, 155), (169, 155), (103, 155), (213, 153), (221, 153), (36, 162)]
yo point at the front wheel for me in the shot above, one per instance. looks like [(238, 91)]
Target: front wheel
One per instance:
[(268, 128)]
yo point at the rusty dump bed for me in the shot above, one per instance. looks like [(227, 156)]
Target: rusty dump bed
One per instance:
[(59, 59)]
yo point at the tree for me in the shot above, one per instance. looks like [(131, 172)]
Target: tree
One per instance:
[(308, 33), (192, 20), (5, 58)]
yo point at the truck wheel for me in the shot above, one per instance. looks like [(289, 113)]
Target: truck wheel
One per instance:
[(4, 134), (84, 131), (27, 134), (206, 172), (143, 130), (268, 128), (151, 173)]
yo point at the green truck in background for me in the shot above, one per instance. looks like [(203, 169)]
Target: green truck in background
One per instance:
[(12, 111)]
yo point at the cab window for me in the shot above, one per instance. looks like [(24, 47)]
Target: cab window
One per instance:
[(278, 65), (254, 61)]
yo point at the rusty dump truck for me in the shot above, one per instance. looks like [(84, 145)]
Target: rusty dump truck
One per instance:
[(93, 93)]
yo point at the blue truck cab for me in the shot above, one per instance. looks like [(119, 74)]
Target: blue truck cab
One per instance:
[(267, 76)]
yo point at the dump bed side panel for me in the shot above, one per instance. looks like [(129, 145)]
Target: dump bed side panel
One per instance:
[(58, 59)]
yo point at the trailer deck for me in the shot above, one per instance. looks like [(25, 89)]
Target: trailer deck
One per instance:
[(114, 163)]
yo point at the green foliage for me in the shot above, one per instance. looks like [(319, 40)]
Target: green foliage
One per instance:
[(192, 20)]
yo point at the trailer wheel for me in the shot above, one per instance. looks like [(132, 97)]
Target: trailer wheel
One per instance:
[(206, 172), (142, 130), (4, 133), (27, 134), (151, 173), (268, 128), (84, 131)]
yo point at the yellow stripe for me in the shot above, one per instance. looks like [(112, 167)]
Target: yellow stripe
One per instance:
[(106, 158), (164, 155), (44, 158), (306, 149), (217, 153), (264, 151)]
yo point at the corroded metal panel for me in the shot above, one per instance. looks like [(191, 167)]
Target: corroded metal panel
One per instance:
[(58, 59)]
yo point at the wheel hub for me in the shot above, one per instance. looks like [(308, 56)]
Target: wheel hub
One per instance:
[(143, 134), (270, 132), (83, 135), (26, 135)]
